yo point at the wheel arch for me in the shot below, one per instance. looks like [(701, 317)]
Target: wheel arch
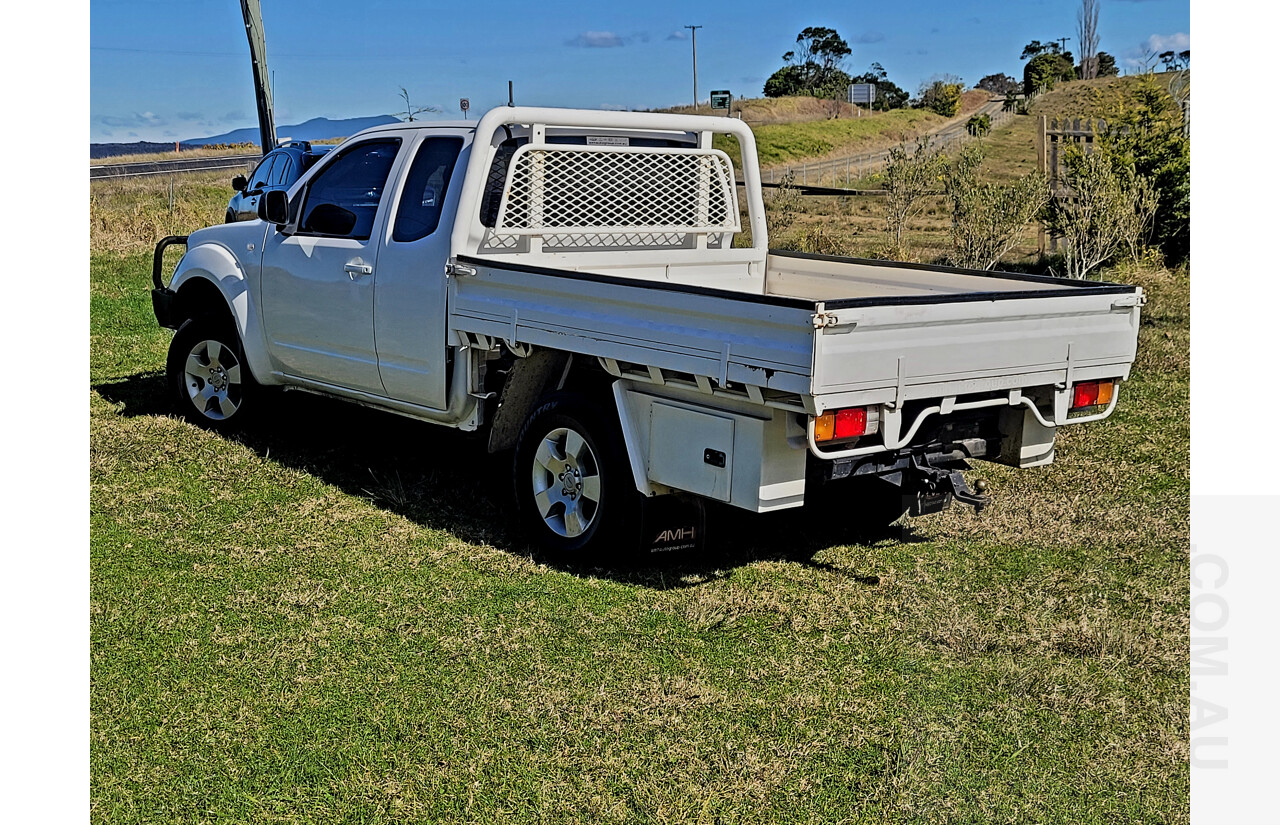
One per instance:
[(209, 279)]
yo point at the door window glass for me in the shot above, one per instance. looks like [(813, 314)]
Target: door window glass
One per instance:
[(342, 200), (280, 172), (263, 173), (423, 198)]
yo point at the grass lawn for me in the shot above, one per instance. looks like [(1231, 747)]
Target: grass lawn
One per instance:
[(327, 619)]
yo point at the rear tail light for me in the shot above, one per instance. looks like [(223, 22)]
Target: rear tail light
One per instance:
[(1092, 394), (837, 425)]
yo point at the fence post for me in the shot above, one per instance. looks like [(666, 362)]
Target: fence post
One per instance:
[(1042, 165)]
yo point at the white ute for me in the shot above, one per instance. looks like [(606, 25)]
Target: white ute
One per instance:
[(569, 281)]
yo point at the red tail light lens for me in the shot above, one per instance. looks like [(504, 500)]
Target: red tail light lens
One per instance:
[(1091, 394), (851, 423)]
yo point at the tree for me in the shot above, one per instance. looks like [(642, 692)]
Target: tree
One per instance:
[(1044, 70), (888, 94), (814, 67), (1035, 47), (908, 177), (941, 95), (410, 111), (1000, 84), (987, 220), (1175, 61), (1107, 66), (785, 82), (1087, 32)]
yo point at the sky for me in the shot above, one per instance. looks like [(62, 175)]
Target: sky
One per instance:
[(165, 71)]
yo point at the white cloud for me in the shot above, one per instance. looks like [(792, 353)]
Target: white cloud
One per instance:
[(1135, 60), (597, 40), (1164, 42)]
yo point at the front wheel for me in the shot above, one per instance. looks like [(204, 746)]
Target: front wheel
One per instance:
[(208, 376), (576, 496)]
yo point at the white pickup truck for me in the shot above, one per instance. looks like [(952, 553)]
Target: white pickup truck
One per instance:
[(570, 281)]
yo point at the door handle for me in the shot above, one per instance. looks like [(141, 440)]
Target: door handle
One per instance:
[(353, 270)]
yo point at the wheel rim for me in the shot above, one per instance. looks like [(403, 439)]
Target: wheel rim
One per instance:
[(212, 380), (566, 482)]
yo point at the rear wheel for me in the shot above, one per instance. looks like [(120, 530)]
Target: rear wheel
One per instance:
[(208, 376), (573, 482)]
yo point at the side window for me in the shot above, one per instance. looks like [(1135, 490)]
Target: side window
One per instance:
[(342, 200), (263, 173), (419, 212), (280, 172)]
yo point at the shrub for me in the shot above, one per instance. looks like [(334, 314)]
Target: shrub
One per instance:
[(1107, 205), (986, 219), (907, 178), (942, 97)]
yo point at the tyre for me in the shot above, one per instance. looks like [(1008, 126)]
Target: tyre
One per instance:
[(576, 496), (230, 217), (208, 376)]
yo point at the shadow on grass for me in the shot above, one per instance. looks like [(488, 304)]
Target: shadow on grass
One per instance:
[(445, 479)]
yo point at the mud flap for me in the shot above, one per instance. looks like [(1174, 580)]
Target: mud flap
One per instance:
[(673, 524)]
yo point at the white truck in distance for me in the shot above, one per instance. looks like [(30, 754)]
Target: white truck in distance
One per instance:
[(569, 281)]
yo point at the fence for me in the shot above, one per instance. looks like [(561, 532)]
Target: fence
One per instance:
[(1052, 138), (844, 171)]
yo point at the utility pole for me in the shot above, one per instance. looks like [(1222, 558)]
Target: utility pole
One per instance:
[(252, 10), (694, 30), (1063, 47)]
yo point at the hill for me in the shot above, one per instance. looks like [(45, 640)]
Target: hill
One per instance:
[(792, 129), (1011, 147), (318, 128)]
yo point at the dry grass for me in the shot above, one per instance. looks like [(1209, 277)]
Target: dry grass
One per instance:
[(219, 151), (128, 215)]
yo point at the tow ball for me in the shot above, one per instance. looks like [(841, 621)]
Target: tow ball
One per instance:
[(932, 489)]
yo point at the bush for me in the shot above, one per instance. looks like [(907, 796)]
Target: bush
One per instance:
[(979, 125), (785, 203), (907, 178), (1044, 70), (1108, 205), (1148, 136), (942, 97), (987, 220)]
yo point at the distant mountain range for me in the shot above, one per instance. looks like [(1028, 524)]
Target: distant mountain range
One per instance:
[(318, 128)]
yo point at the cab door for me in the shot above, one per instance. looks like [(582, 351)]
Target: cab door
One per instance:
[(409, 302), (319, 271)]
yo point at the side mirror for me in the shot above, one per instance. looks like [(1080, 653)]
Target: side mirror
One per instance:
[(239, 183), (274, 207)]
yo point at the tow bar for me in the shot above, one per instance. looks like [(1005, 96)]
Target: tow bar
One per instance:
[(934, 488)]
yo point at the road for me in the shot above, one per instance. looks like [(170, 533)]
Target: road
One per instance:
[(840, 170), (168, 167)]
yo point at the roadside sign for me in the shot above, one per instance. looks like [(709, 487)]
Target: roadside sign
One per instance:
[(864, 93), (721, 99), (464, 104)]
